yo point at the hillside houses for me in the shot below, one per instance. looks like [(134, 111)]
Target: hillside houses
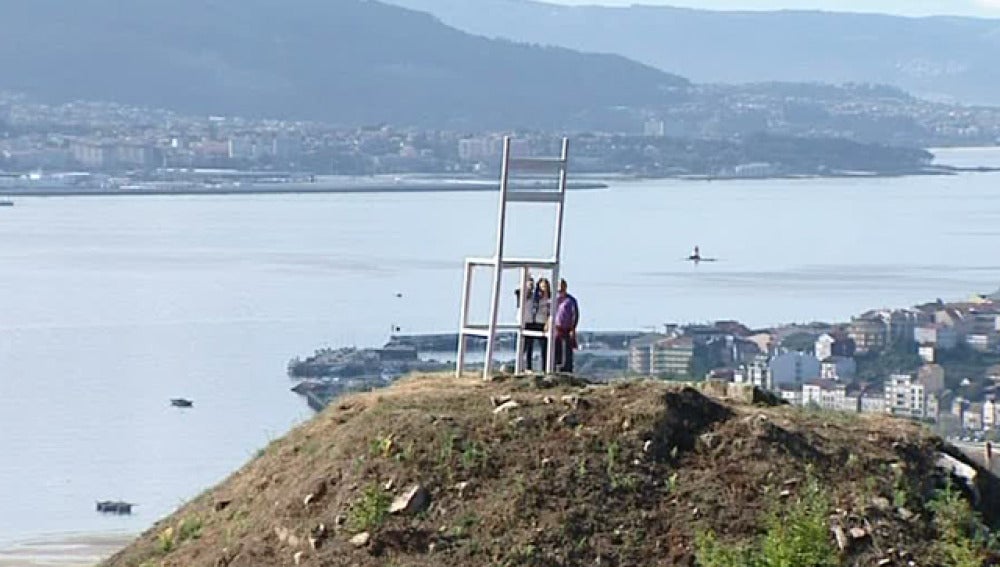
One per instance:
[(827, 374), (695, 349), (836, 344), (975, 323), (661, 355), (874, 330)]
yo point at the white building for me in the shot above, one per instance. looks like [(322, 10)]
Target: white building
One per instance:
[(244, 147), (757, 372), (825, 394), (640, 355), (754, 170), (972, 419), (872, 402), (989, 413), (933, 405), (905, 396), (812, 393), (828, 345), (791, 394), (824, 346), (927, 353), (489, 147), (478, 149)]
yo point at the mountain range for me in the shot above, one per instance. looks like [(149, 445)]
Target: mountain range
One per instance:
[(351, 62), (948, 59)]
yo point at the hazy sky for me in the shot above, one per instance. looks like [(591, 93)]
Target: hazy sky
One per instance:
[(982, 8)]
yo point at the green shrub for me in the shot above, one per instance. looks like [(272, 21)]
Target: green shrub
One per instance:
[(371, 510), (381, 446), (165, 541), (710, 552), (189, 528), (474, 456), (798, 535), (961, 533)]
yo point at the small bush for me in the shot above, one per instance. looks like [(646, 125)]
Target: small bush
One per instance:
[(618, 479), (170, 538), (447, 450), (189, 528), (614, 452), (710, 552), (797, 536), (371, 510), (474, 456), (381, 446), (165, 541), (961, 533)]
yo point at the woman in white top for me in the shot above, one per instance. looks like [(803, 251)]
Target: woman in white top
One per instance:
[(536, 319)]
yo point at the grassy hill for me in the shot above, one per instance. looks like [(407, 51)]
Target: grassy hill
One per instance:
[(436, 471)]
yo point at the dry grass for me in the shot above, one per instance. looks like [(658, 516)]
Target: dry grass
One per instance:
[(625, 474)]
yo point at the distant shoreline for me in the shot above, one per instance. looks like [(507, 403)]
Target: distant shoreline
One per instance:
[(434, 184), (938, 170), (276, 189)]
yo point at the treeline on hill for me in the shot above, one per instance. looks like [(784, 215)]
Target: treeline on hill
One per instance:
[(920, 55), (347, 62)]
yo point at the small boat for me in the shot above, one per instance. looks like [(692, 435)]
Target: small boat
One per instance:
[(114, 507), (697, 258), (181, 403)]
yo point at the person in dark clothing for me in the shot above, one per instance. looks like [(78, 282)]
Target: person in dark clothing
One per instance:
[(529, 297), (567, 317)]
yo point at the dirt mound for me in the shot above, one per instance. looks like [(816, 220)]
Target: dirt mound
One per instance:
[(436, 471)]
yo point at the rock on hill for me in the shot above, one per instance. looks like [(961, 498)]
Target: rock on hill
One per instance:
[(436, 471), (352, 62)]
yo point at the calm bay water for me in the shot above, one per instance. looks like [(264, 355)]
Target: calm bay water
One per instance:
[(111, 306)]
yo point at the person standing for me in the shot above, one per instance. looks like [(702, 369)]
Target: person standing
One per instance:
[(566, 320), (538, 320), (530, 297), (529, 291)]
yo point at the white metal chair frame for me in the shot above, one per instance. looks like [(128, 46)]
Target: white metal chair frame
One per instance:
[(499, 262)]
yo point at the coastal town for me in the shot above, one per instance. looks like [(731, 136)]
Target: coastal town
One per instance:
[(81, 146), (938, 362)]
